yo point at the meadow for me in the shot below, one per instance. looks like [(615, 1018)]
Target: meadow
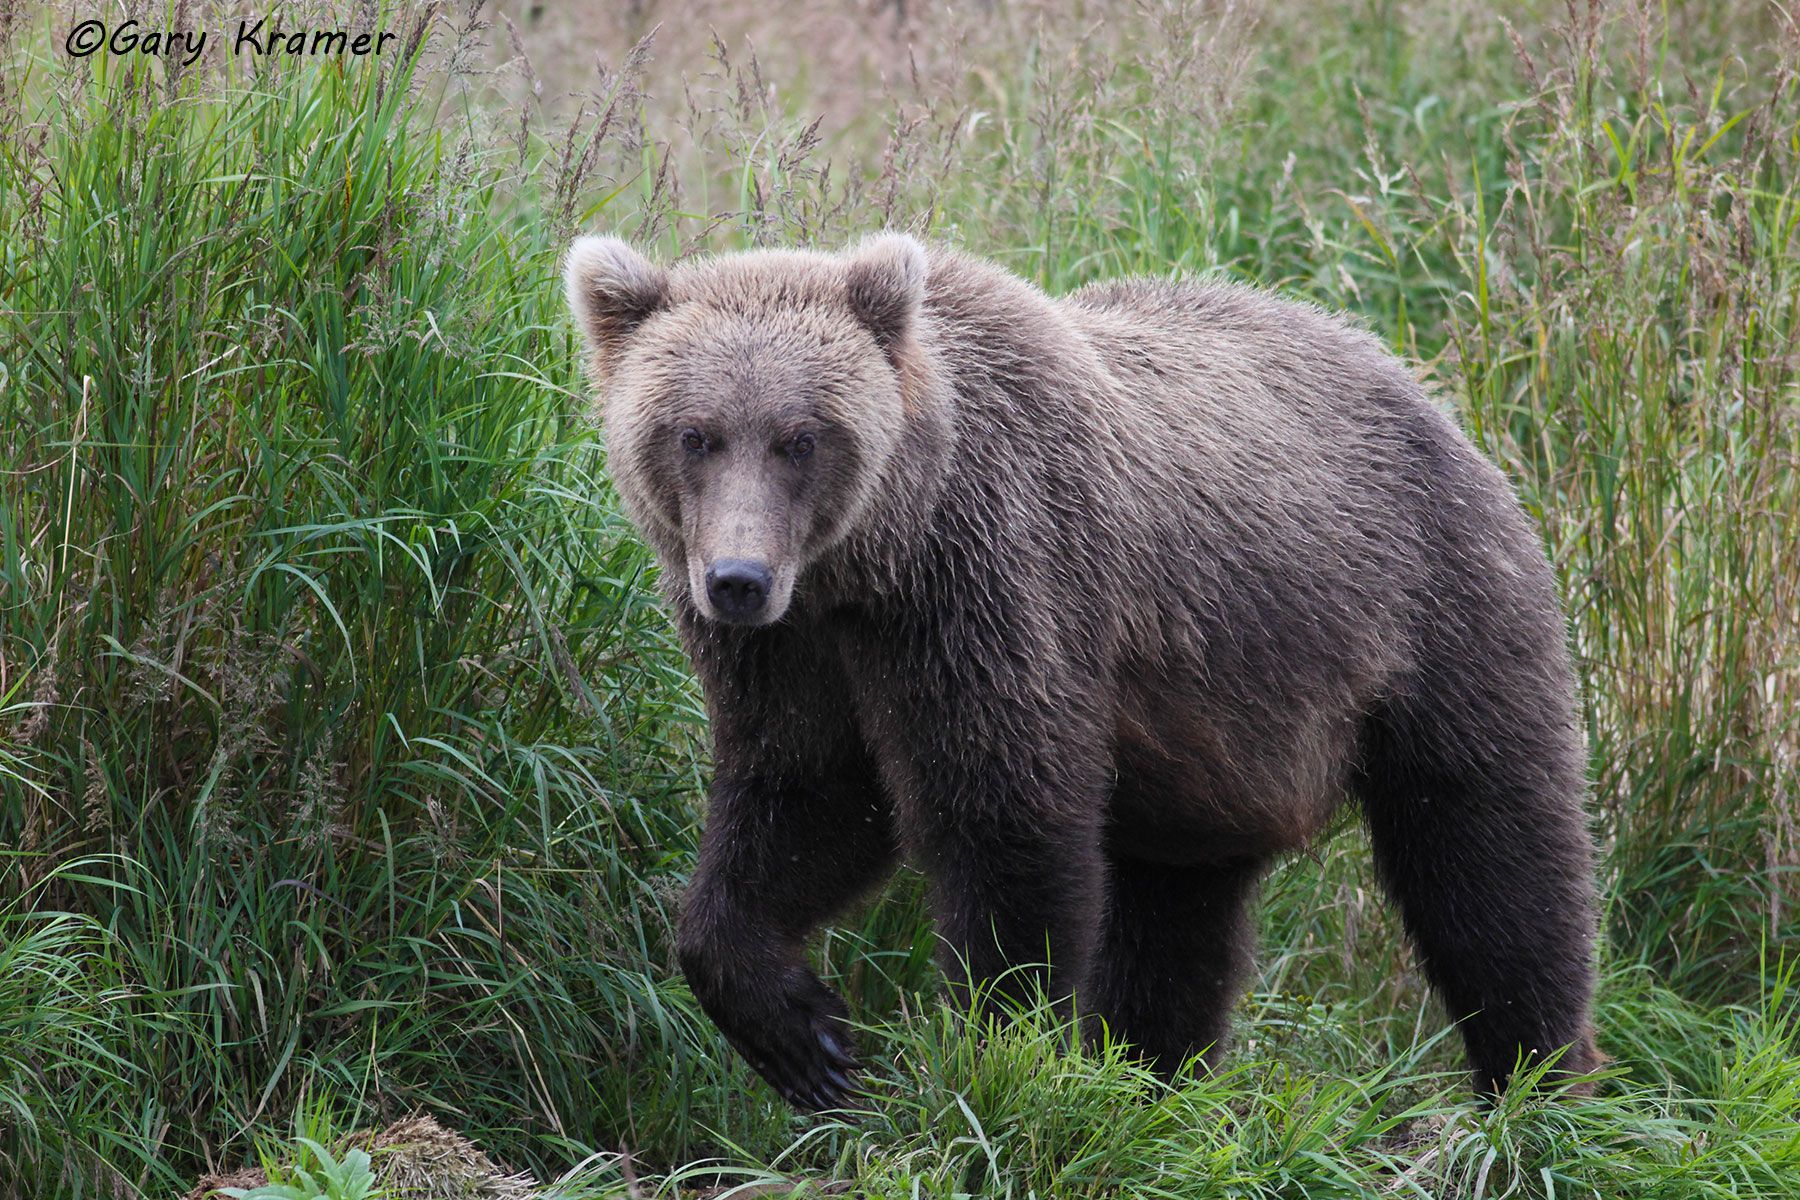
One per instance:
[(349, 768)]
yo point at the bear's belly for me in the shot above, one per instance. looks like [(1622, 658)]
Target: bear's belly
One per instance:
[(1171, 821), (1186, 792)]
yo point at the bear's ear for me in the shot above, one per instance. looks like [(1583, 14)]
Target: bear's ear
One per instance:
[(885, 281), (612, 289)]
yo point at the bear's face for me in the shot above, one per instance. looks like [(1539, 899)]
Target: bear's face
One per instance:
[(752, 403)]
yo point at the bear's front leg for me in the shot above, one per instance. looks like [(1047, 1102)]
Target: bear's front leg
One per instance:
[(777, 860), (1018, 891), (1000, 796)]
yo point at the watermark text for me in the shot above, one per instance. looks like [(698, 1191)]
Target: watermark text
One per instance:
[(260, 37)]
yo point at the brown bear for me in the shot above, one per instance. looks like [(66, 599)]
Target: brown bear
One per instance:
[(1090, 607)]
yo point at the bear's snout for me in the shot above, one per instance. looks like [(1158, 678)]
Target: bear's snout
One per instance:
[(738, 588)]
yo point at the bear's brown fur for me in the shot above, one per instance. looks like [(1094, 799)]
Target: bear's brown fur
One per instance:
[(1090, 607)]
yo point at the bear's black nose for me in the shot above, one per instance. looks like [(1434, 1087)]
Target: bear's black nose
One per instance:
[(737, 587)]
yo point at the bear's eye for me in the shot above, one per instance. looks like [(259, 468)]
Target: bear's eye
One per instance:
[(693, 441), (800, 447)]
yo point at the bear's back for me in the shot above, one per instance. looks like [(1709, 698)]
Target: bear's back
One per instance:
[(1284, 358)]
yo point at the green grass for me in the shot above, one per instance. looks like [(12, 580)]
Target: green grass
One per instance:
[(349, 769)]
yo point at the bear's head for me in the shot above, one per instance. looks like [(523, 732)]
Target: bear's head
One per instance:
[(757, 406)]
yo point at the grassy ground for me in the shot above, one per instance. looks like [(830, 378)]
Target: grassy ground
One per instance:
[(347, 766)]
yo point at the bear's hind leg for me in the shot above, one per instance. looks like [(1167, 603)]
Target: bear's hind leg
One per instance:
[(1480, 839), (1176, 946)]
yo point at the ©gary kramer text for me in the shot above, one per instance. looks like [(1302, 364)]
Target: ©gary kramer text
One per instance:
[(260, 37)]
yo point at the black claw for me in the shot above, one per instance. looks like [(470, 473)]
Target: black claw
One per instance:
[(815, 1079), (835, 1049)]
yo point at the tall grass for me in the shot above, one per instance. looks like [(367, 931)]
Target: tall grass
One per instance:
[(69, 1072), (347, 766), (318, 622)]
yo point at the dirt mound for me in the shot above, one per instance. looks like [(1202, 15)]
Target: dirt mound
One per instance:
[(413, 1159)]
